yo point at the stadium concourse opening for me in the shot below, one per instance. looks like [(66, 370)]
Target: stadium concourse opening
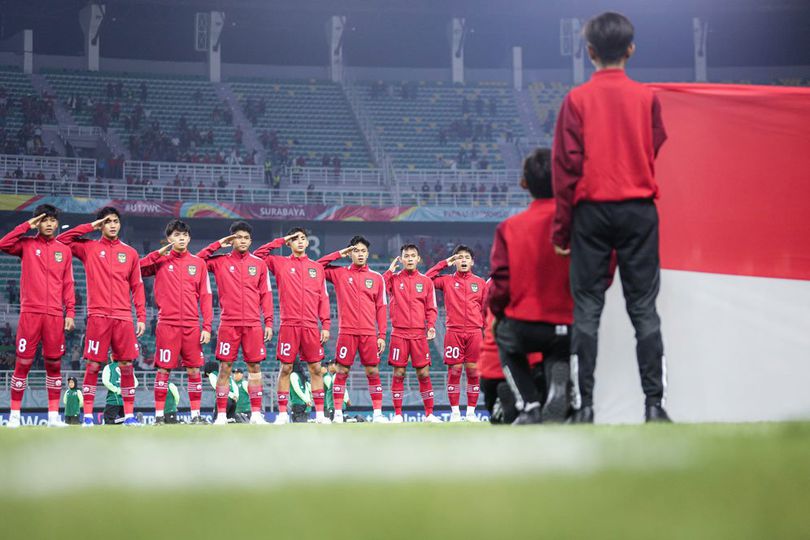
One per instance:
[(308, 222)]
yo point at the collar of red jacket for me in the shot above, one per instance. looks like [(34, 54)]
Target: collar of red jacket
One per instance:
[(409, 273), (356, 268), (464, 275), (45, 239), (611, 72), (238, 255), (105, 240), (301, 258), (177, 255)]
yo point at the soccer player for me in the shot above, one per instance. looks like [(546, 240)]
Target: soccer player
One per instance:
[(182, 293), (413, 316), (113, 284), (47, 306), (608, 133), (303, 303), (464, 303), (530, 298), (362, 304), (245, 293)]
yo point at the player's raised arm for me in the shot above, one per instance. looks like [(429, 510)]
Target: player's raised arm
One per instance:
[(149, 263), (12, 242)]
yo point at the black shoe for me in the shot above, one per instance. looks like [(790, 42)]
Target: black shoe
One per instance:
[(534, 416), (555, 409), (582, 416), (656, 413), (160, 421)]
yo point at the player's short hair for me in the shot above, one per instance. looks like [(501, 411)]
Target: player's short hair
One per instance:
[(210, 367), (237, 370), (360, 240), (610, 34), (108, 210), (298, 230), (177, 225), (409, 246), (244, 226), (75, 382), (537, 173), (48, 209), (462, 247)]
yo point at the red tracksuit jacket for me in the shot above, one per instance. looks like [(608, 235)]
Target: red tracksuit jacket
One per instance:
[(464, 298), (243, 284), (46, 282), (113, 274), (302, 296), (361, 297), (529, 281), (608, 133), (413, 303), (182, 289)]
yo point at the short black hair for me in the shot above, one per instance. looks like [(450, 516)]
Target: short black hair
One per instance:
[(106, 211), (177, 225), (237, 226), (237, 370), (211, 367), (48, 209), (298, 230), (359, 240), (537, 173), (409, 246), (610, 34), (462, 247)]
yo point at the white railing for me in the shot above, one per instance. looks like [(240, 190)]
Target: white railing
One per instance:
[(327, 175), (486, 199), (79, 131), (164, 172), (46, 165), (509, 177)]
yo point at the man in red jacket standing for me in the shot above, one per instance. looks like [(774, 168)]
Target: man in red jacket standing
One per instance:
[(46, 286), (530, 298), (362, 302), (413, 316), (608, 134), (465, 304), (182, 293), (113, 284), (303, 303), (243, 284)]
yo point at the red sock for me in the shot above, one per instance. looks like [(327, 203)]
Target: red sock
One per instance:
[(473, 388), (375, 390), (195, 391), (19, 382), (317, 399), (161, 390), (453, 384), (283, 399), (255, 394), (339, 389), (397, 390), (426, 389), (89, 387), (53, 382), (128, 388), (222, 399)]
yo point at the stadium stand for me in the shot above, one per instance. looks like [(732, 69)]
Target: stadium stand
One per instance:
[(22, 113)]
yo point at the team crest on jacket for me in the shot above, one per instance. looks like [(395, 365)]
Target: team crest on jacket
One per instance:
[(474, 287), (313, 273), (252, 270), (122, 258), (369, 283), (419, 287), (192, 270), (57, 255)]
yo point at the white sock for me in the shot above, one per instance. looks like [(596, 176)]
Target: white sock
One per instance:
[(158, 412), (318, 415), (127, 416), (470, 411), (90, 416), (53, 415), (455, 409), (283, 414), (377, 412), (195, 413), (14, 413)]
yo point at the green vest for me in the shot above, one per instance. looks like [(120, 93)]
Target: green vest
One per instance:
[(243, 403), (72, 407), (329, 402), (295, 399), (171, 403), (115, 379)]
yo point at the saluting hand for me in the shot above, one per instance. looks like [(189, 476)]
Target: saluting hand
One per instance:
[(97, 224), (345, 252), (166, 249), (34, 221), (394, 263)]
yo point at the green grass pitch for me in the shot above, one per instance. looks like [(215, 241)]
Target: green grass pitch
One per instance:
[(411, 481)]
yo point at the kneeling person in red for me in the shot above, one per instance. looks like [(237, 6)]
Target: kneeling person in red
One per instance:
[(182, 293), (303, 303), (413, 316), (46, 285), (243, 284), (113, 284), (362, 301), (464, 304)]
